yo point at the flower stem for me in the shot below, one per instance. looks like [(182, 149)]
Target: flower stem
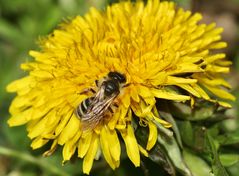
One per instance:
[(28, 158)]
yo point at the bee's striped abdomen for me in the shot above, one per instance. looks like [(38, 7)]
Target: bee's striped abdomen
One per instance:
[(82, 108)]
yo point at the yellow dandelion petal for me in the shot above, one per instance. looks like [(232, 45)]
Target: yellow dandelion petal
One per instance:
[(214, 82), (220, 93), (152, 135), (218, 45), (18, 103), (126, 115), (132, 148), (90, 155), (224, 63), (65, 115), (21, 118), (52, 149), (41, 74), (38, 128), (217, 69), (175, 80), (38, 142), (146, 108), (70, 130), (144, 91), (126, 101), (224, 104), (164, 94), (70, 147), (45, 126), (115, 149), (143, 151), (216, 57), (152, 116), (114, 119), (200, 91), (20, 84), (190, 89), (134, 93), (84, 144), (110, 147)]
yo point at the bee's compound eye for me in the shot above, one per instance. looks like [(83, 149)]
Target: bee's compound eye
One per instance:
[(117, 76)]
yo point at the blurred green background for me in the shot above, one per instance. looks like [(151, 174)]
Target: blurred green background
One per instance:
[(22, 22)]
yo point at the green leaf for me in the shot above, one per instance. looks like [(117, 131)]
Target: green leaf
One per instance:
[(194, 162), (202, 110), (229, 159), (183, 3), (192, 135), (9, 32), (163, 130), (158, 156), (217, 167), (186, 131), (172, 150), (233, 170), (165, 113), (51, 20), (38, 161), (229, 138)]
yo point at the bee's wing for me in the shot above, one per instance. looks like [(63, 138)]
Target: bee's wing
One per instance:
[(96, 112), (100, 95)]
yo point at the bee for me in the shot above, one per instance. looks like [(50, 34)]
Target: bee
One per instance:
[(93, 109)]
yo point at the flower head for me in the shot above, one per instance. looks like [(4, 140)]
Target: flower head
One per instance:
[(162, 51)]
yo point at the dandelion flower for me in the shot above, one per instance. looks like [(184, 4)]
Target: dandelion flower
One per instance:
[(155, 45)]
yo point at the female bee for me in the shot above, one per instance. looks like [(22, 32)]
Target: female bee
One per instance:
[(92, 110)]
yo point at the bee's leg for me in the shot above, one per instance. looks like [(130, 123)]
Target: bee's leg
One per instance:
[(97, 83), (92, 90), (88, 90), (115, 105), (126, 85), (111, 110)]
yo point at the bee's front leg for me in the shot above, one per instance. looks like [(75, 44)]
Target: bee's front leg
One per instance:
[(85, 91), (115, 105), (97, 83), (111, 110)]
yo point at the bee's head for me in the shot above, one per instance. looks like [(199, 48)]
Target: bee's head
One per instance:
[(117, 76)]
